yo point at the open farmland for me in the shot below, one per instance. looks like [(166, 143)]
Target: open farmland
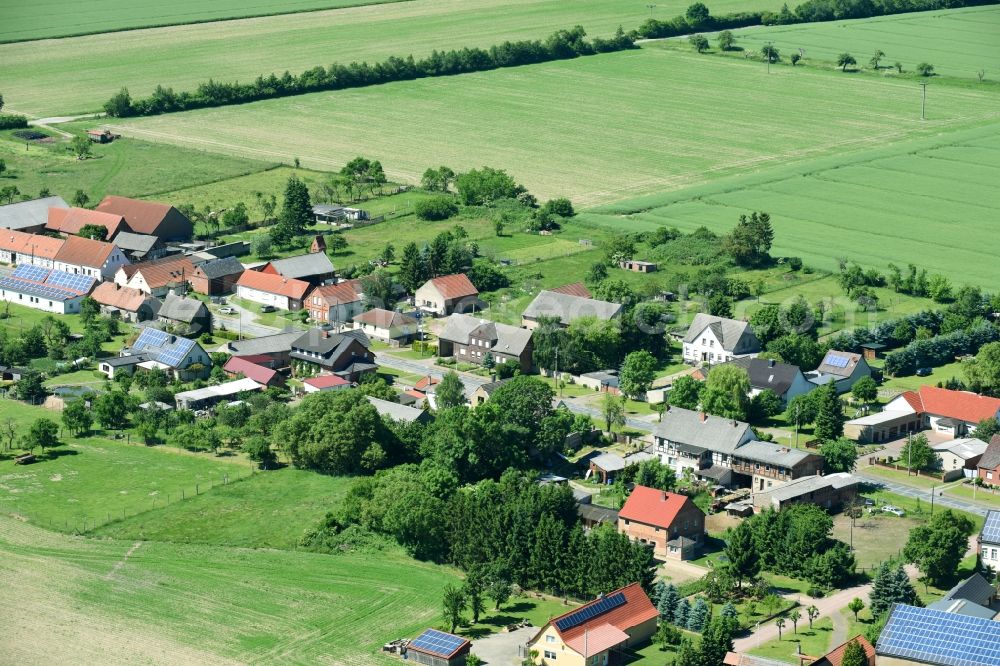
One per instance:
[(59, 18), (958, 42), (80, 74), (595, 129), (924, 201), (123, 602)]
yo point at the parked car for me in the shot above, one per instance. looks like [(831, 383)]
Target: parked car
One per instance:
[(924, 372), (227, 310), (894, 510), (268, 308)]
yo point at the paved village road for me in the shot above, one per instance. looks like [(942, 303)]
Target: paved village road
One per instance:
[(925, 495)]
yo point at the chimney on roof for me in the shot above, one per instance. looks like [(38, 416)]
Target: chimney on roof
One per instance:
[(734, 423), (703, 416), (770, 362), (664, 493)]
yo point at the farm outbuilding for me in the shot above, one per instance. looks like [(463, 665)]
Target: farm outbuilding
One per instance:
[(438, 648)]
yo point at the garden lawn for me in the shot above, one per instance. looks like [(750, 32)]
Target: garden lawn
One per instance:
[(80, 74), (654, 130), (270, 510), (912, 382), (119, 602), (958, 42), (876, 537), (813, 642), (126, 167)]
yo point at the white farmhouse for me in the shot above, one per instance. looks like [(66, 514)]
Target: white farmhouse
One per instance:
[(712, 339)]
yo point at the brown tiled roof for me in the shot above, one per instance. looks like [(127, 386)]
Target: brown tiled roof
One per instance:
[(384, 318), (142, 216), (575, 289), (45, 247), (79, 251), (123, 298), (338, 294), (454, 286), (258, 373), (835, 657), (162, 272), (71, 220), (636, 610), (961, 405), (273, 284)]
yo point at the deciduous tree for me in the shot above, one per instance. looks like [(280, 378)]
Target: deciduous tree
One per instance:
[(450, 392), (726, 392), (839, 455), (637, 373), (845, 60)]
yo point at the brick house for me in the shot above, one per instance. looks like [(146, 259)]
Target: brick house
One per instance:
[(671, 523), (217, 276), (338, 303), (446, 294), (471, 339)]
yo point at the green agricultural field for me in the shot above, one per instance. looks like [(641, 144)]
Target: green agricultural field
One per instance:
[(917, 201), (654, 127), (23, 21), (80, 74), (123, 602), (958, 42), (126, 167), (271, 510)]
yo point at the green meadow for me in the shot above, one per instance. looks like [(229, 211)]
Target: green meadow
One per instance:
[(596, 129), (79, 74), (958, 42)]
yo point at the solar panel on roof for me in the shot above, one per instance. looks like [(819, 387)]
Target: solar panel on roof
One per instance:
[(599, 607), (837, 361), (437, 642), (78, 283), (991, 530), (150, 337), (36, 289), (29, 272), (937, 637)]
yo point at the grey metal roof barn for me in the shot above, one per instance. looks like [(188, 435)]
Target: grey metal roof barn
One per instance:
[(568, 307), (179, 308), (685, 426), (768, 374), (217, 268), (396, 411), (137, 245), (303, 266), (27, 214)]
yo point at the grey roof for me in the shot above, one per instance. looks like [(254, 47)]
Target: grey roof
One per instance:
[(991, 458), (681, 542), (839, 363), (929, 636), (269, 344), (810, 484), (770, 453), (609, 462), (597, 514), (965, 448), (490, 387), (687, 427), (729, 332), (217, 268), (510, 340), (396, 411), (768, 374), (138, 244), (303, 266), (568, 307), (962, 607), (218, 391), (607, 377), (975, 588), (324, 343), (180, 308), (25, 214)]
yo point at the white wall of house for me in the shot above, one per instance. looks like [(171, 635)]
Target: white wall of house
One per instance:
[(263, 297), (107, 271), (706, 347), (427, 297), (11, 257), (69, 306), (990, 554)]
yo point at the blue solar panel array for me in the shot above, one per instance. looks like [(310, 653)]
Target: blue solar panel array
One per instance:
[(438, 642), (935, 637), (599, 607), (150, 337), (29, 272), (991, 530), (36, 289), (163, 347), (837, 361), (79, 283)]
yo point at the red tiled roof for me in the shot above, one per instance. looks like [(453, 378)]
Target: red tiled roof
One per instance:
[(274, 284), (71, 220), (653, 507), (575, 289), (162, 272), (597, 640), (413, 393), (325, 381), (45, 247), (79, 251), (258, 373), (348, 291), (259, 359), (123, 298), (454, 286), (636, 610), (144, 217), (961, 405), (835, 657), (426, 381)]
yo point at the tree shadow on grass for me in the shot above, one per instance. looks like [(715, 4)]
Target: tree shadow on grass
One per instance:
[(54, 454)]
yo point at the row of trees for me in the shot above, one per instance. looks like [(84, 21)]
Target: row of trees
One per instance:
[(560, 45)]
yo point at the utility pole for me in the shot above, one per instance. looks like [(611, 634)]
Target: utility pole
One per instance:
[(932, 499), (769, 52), (797, 407), (558, 383), (651, 8), (923, 101)]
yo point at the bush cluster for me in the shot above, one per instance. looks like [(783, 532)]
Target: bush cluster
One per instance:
[(940, 350), (12, 121)]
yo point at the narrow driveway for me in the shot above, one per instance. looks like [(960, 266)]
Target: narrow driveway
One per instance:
[(500, 649)]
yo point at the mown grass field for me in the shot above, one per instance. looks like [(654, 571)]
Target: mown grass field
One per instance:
[(121, 602), (928, 201), (595, 129), (127, 168), (80, 74), (958, 42), (25, 20)]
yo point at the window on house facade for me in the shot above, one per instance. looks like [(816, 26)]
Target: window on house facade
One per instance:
[(549, 638), (711, 343), (549, 654)]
